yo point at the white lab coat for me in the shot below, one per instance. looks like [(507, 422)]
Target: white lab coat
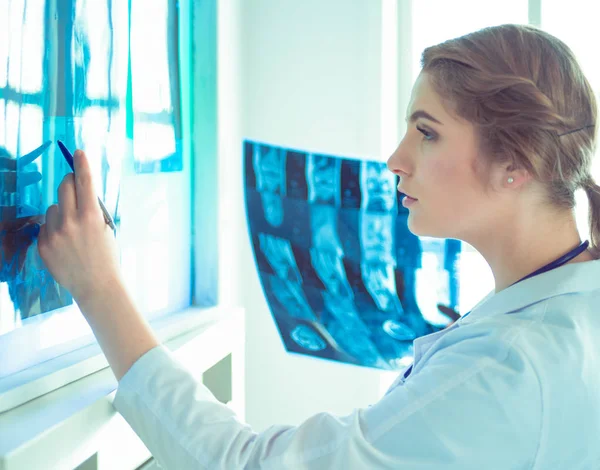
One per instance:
[(513, 385)]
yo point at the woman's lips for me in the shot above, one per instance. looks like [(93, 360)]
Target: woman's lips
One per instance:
[(407, 195), (408, 201)]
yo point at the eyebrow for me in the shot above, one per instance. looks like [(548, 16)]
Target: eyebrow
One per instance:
[(423, 114)]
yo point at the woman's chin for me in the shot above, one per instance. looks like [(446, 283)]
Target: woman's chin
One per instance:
[(419, 230), (414, 227)]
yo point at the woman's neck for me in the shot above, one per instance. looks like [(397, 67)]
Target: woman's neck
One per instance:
[(529, 244)]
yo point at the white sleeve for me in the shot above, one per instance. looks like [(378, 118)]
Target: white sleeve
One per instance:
[(472, 405)]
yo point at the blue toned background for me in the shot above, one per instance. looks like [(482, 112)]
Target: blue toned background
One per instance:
[(344, 278)]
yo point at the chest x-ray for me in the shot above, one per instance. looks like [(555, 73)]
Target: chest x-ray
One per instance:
[(344, 278)]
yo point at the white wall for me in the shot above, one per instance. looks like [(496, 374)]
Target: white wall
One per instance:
[(306, 75)]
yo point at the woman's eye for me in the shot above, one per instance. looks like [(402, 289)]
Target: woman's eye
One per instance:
[(427, 135)]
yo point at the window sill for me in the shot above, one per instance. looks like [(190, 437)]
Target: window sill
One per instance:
[(58, 417)]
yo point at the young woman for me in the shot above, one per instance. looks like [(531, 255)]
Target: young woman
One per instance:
[(501, 132)]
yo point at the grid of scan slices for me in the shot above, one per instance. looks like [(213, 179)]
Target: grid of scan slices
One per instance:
[(336, 260)]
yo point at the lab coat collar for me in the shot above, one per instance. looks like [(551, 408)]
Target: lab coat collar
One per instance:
[(566, 279)]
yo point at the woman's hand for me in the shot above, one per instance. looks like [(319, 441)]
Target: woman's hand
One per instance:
[(80, 251), (75, 243)]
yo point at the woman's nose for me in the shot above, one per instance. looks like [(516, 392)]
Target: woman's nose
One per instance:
[(396, 163)]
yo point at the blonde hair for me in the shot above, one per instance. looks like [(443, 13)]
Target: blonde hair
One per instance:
[(531, 104)]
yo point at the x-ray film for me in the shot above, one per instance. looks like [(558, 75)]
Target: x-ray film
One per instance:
[(63, 75), (344, 278)]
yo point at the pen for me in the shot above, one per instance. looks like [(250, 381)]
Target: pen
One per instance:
[(69, 159)]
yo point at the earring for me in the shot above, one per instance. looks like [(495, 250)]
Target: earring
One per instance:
[(510, 180)]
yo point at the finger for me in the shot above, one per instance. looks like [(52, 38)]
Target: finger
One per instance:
[(52, 219), (67, 199), (32, 156), (87, 201)]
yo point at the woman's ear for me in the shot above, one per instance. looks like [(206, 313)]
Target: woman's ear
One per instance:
[(513, 177)]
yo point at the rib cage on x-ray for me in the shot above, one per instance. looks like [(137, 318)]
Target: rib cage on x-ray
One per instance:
[(336, 260)]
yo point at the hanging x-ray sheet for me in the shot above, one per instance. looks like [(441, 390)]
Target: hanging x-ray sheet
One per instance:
[(344, 277), (63, 75)]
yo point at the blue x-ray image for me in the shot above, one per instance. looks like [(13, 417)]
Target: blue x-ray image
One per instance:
[(343, 276), (380, 184), (31, 288), (322, 174), (63, 76), (308, 338), (268, 166)]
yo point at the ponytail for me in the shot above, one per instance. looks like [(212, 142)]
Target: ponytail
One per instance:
[(593, 192)]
